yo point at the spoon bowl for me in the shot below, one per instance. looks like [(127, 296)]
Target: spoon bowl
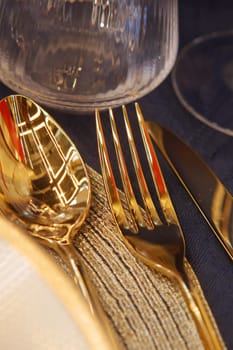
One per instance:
[(44, 185), (44, 181)]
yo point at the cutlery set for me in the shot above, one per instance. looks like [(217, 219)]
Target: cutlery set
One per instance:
[(45, 188)]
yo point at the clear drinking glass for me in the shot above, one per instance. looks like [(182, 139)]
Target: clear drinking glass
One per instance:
[(81, 54), (203, 79)]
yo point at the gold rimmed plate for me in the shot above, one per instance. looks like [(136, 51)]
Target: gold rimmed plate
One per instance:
[(39, 305)]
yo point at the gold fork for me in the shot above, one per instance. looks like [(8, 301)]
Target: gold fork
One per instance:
[(157, 242)]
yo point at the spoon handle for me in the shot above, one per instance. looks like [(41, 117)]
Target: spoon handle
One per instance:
[(69, 255)]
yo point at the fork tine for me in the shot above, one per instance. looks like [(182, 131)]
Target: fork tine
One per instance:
[(108, 177), (158, 179), (145, 194), (136, 215)]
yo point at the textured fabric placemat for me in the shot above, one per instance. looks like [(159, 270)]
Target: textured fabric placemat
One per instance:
[(146, 309)]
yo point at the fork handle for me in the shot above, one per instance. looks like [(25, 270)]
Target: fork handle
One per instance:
[(204, 322)]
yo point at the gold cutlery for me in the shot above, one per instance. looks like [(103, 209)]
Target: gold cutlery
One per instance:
[(156, 241), (208, 193), (45, 187)]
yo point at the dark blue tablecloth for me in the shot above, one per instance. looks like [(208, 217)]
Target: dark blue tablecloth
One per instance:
[(210, 262)]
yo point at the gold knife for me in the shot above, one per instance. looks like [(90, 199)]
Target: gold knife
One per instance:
[(207, 192)]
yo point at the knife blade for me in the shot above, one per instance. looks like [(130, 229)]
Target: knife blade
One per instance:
[(208, 193)]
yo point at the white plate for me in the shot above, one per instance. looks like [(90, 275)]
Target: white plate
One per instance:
[(39, 306)]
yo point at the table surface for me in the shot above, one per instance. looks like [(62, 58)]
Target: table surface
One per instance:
[(210, 262)]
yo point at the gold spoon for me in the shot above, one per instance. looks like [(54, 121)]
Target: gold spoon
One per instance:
[(44, 186)]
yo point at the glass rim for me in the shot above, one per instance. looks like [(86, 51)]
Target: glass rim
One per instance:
[(198, 40)]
